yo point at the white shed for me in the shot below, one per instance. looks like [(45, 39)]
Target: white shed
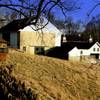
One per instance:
[(74, 54)]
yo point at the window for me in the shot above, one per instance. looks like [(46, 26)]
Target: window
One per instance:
[(3, 50), (39, 50), (36, 48), (97, 49), (24, 48), (81, 52), (93, 49)]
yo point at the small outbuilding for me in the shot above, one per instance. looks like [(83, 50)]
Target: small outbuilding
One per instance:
[(3, 49)]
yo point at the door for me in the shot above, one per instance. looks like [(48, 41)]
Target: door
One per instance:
[(95, 55)]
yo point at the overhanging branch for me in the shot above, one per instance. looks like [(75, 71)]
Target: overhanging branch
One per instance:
[(98, 4)]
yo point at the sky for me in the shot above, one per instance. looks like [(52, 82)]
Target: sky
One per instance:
[(81, 14)]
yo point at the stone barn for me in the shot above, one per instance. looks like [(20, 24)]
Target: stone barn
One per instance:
[(29, 39)]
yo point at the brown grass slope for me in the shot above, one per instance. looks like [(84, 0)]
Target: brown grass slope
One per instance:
[(54, 79)]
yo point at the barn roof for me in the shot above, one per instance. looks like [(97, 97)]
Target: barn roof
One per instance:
[(21, 25), (14, 26), (46, 26)]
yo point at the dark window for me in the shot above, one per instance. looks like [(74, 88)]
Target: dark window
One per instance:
[(24, 48), (18, 39), (81, 52), (95, 56), (3, 50), (97, 49), (93, 49), (39, 50), (36, 49)]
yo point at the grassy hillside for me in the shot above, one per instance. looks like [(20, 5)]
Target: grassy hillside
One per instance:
[(55, 79)]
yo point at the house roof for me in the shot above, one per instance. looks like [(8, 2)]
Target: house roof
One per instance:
[(74, 37), (79, 44)]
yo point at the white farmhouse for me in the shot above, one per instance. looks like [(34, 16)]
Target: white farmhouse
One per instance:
[(76, 51), (84, 50)]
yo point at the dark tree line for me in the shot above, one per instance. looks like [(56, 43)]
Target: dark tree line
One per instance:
[(93, 28)]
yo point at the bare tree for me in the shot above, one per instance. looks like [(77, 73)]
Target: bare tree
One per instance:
[(32, 9), (93, 28), (72, 27), (97, 3)]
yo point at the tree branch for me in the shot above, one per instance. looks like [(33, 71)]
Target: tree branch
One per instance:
[(98, 4)]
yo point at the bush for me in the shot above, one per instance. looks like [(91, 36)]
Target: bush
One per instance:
[(11, 89)]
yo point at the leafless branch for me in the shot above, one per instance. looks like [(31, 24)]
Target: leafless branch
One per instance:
[(98, 4), (16, 11), (42, 5), (16, 5)]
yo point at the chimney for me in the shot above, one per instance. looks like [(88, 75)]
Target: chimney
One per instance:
[(90, 39), (64, 39)]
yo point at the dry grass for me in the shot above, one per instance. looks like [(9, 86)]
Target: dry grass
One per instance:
[(3, 56), (55, 79)]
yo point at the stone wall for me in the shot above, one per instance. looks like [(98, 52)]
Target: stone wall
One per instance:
[(29, 39)]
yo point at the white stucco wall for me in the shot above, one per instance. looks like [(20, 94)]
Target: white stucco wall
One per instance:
[(58, 39), (49, 37), (49, 29), (85, 52), (30, 50), (74, 52), (96, 46)]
